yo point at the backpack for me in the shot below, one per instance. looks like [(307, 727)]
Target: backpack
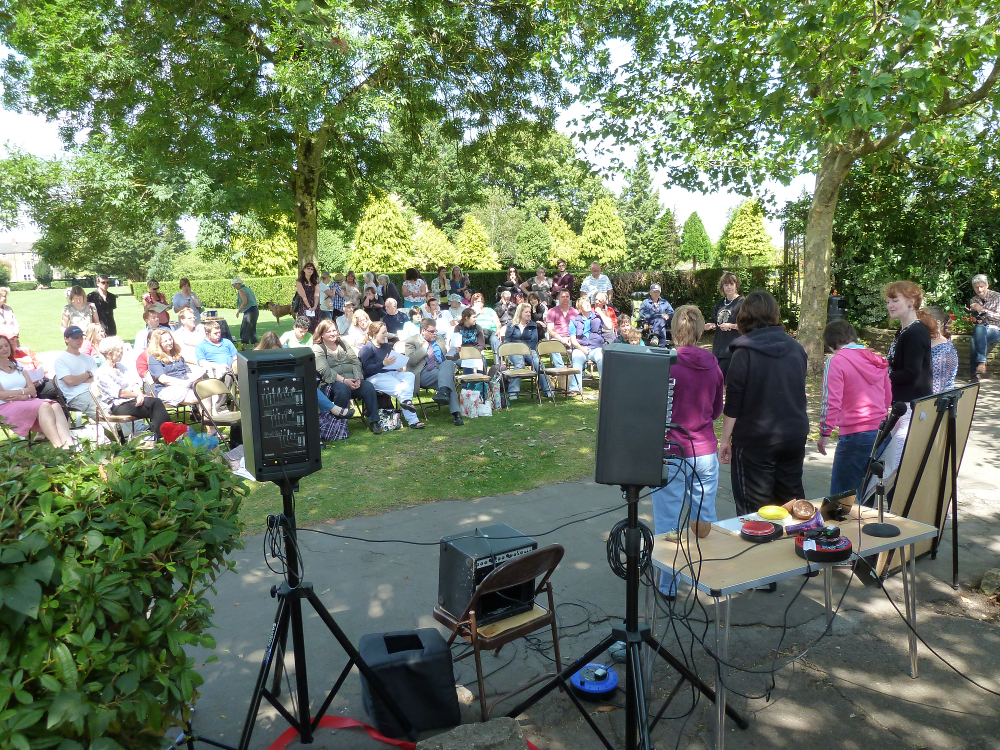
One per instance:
[(332, 428)]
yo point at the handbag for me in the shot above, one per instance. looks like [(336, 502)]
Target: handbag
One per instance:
[(390, 419), (468, 403), (332, 428), (296, 302)]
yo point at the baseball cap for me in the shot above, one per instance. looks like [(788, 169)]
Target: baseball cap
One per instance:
[(236, 281), (454, 298), (73, 332), (655, 288), (338, 277)]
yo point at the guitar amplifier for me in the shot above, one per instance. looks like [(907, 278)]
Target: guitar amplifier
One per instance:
[(467, 558)]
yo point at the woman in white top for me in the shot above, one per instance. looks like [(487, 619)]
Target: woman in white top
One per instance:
[(352, 292), (189, 334), (357, 334), (20, 408), (185, 299), (78, 312), (121, 389), (8, 323), (414, 289)]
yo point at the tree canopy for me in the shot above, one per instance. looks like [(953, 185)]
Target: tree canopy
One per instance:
[(603, 237), (639, 206), (384, 238), (745, 240), (696, 246)]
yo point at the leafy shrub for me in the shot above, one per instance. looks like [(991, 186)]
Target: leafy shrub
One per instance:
[(21, 286), (106, 562), (43, 273)]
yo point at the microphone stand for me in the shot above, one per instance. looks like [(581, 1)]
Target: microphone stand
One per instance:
[(880, 529)]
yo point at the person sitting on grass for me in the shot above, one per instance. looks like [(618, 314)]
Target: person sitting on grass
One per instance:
[(21, 410), (338, 367), (74, 374), (856, 396), (587, 339), (121, 390), (691, 471), (173, 378), (523, 330), (383, 368), (469, 333), (425, 354), (488, 320), (394, 318), (297, 337), (412, 326), (216, 355)]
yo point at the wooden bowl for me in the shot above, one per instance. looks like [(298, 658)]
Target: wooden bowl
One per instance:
[(701, 528)]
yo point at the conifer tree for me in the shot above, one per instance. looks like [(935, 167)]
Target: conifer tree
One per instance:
[(432, 248), (566, 243), (639, 205), (666, 242), (474, 247), (534, 245), (384, 238), (603, 236), (695, 243), (745, 240)]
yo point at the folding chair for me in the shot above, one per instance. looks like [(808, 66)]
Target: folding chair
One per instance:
[(111, 420), (548, 348), (204, 390), (535, 566), (470, 353), (178, 413), (527, 372)]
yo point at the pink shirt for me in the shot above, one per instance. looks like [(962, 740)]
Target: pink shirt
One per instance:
[(856, 391), (559, 321)]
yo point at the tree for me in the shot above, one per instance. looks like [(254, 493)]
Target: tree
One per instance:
[(43, 273), (743, 93), (695, 243), (534, 245), (4, 273), (502, 221), (265, 109), (432, 248), (257, 250), (745, 240), (474, 247), (639, 205), (566, 244), (666, 242), (333, 253), (140, 255), (603, 237), (384, 238)]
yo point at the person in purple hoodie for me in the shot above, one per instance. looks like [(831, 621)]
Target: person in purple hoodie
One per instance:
[(691, 467), (857, 394)]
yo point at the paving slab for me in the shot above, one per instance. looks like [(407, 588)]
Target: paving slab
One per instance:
[(847, 689)]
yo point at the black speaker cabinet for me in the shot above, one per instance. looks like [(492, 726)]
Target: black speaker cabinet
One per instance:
[(467, 558), (415, 668), (636, 399), (280, 413)]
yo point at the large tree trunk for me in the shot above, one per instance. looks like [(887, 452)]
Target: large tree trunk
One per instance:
[(308, 166), (834, 164)]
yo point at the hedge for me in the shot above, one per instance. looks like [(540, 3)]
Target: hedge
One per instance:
[(106, 563), (699, 287)]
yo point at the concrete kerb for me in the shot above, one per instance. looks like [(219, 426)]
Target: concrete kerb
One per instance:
[(851, 689)]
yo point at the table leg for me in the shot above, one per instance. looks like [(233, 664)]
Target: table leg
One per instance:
[(721, 652), (828, 595), (910, 601)]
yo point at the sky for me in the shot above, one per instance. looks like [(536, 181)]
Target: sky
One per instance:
[(35, 135)]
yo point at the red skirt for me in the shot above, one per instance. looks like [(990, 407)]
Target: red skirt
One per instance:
[(22, 416)]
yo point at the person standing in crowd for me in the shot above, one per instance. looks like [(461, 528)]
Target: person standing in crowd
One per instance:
[(325, 311), (344, 321), (523, 330), (557, 321), (487, 319), (426, 360), (336, 295), (387, 290), (78, 312), (512, 282), (394, 319), (765, 423), (352, 293), (985, 309), (383, 368), (909, 358), (595, 282), (540, 284), (8, 321), (691, 469), (457, 282), (121, 390), (154, 296), (656, 312), (857, 395), (414, 289), (75, 372), (186, 299), (104, 303), (21, 409), (338, 365), (723, 320), (587, 338), (562, 280), (505, 311), (246, 304), (944, 356), (306, 289)]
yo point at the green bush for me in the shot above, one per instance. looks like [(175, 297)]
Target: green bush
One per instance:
[(106, 563), (22, 286)]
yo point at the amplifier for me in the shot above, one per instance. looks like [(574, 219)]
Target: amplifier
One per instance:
[(467, 558)]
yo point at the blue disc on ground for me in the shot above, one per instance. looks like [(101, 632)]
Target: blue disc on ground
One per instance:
[(595, 682)]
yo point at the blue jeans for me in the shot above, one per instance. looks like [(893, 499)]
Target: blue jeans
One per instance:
[(693, 479), (517, 361), (579, 359), (850, 461), (982, 338)]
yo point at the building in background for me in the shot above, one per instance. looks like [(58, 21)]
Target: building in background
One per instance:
[(20, 258)]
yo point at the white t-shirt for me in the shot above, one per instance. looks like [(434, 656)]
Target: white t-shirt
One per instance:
[(325, 303), (73, 364)]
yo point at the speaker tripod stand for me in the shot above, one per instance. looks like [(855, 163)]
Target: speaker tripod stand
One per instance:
[(290, 595), (637, 725)]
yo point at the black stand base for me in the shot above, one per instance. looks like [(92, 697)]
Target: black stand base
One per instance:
[(883, 530)]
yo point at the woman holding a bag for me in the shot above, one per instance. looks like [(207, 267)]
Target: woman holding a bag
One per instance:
[(383, 368), (309, 300)]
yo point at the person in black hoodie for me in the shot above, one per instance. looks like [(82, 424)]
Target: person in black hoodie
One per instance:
[(723, 320), (765, 423)]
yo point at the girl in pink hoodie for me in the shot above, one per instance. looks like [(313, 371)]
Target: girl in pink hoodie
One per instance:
[(856, 396)]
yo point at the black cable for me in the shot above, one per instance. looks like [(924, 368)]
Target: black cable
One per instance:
[(616, 549)]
